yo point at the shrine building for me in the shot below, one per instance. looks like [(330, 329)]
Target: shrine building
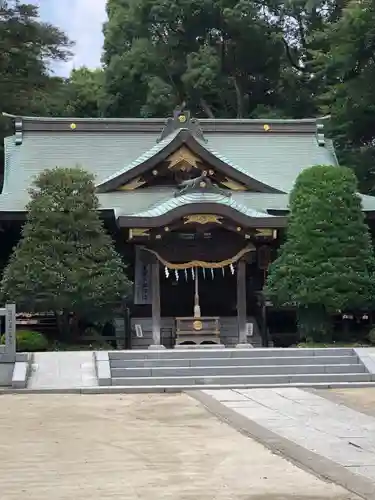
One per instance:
[(197, 208)]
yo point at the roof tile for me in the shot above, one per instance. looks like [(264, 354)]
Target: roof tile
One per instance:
[(171, 203)]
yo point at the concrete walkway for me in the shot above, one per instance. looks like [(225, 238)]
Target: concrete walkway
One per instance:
[(139, 447), (333, 431), (63, 370)]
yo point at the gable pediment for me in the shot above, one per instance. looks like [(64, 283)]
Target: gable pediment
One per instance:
[(176, 158)]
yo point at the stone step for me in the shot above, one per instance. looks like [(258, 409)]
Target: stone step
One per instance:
[(209, 371), (139, 389), (241, 380), (243, 361), (228, 353)]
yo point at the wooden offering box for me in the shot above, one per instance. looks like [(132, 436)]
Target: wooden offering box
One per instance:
[(204, 330)]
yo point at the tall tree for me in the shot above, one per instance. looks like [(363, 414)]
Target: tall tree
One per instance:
[(226, 58), (83, 93), (27, 49), (221, 56), (327, 262), (65, 262), (348, 70)]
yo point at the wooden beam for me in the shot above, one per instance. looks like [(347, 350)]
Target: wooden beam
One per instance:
[(241, 302), (132, 185), (233, 185), (183, 156)]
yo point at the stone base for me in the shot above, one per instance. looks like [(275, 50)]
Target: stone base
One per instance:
[(156, 347), (244, 346)]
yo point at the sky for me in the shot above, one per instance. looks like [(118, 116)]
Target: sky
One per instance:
[(82, 21)]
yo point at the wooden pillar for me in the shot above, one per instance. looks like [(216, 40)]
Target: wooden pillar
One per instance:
[(155, 291), (241, 304)]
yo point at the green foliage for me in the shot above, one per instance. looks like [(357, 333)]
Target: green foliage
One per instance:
[(312, 344), (349, 70), (314, 324), (65, 261), (194, 51), (27, 48), (29, 341), (371, 336), (224, 58), (98, 345), (83, 93), (326, 263)]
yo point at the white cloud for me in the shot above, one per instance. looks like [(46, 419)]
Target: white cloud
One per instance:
[(82, 21)]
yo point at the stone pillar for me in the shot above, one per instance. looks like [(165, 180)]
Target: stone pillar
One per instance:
[(155, 291), (10, 329), (241, 305)]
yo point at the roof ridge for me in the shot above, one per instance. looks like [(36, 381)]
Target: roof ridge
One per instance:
[(108, 125), (163, 120)]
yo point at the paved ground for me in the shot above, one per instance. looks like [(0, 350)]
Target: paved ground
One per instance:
[(362, 400), (333, 431), (63, 370), (129, 447)]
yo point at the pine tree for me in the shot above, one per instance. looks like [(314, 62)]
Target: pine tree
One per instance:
[(326, 263), (65, 261)]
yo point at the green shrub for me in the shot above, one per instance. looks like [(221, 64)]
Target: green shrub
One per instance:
[(371, 336), (29, 341)]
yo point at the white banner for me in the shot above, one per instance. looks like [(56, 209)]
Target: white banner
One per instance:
[(142, 279)]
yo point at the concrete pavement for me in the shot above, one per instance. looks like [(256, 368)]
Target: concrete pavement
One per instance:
[(338, 437), (62, 370), (359, 399)]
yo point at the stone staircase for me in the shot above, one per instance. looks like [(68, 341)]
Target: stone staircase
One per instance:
[(217, 368)]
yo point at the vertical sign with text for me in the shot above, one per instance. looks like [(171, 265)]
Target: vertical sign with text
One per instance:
[(142, 278)]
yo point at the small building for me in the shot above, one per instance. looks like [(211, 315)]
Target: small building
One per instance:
[(196, 208)]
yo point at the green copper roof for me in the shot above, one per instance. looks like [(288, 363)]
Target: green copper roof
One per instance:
[(101, 154), (135, 202), (169, 204), (274, 159), (159, 146), (9, 148)]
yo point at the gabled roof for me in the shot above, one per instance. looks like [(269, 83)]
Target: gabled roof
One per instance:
[(173, 208), (169, 145), (172, 203), (107, 146)]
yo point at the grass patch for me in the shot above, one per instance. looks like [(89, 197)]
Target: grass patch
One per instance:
[(332, 344)]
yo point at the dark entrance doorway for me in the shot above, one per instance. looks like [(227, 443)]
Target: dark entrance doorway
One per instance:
[(217, 292), (217, 287)]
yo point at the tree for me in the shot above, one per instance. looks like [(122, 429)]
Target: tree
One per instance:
[(193, 51), (83, 93), (326, 263), (225, 58), (27, 49), (348, 70), (65, 261)]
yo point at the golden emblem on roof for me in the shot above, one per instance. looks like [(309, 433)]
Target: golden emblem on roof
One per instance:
[(203, 219)]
